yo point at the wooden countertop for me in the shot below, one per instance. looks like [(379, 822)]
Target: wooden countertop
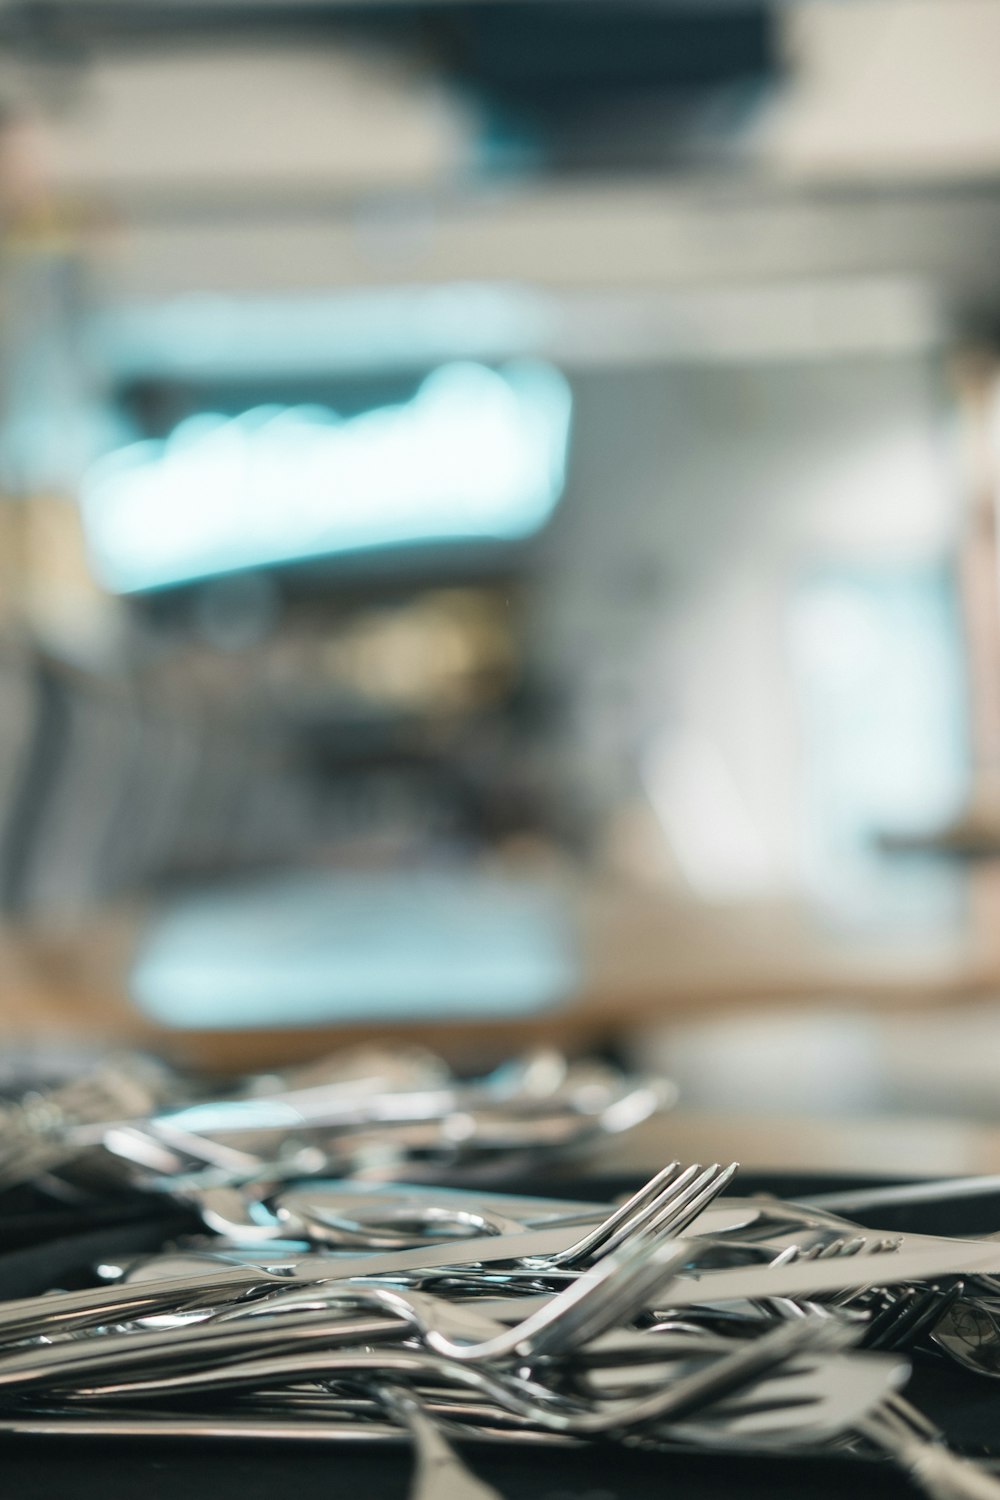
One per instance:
[(903, 1145)]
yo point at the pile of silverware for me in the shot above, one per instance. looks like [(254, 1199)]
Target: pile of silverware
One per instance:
[(331, 1296), (374, 1112)]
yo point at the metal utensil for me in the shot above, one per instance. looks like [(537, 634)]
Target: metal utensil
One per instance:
[(440, 1474)]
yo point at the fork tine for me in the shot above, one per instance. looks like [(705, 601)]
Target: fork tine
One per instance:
[(729, 1372), (816, 1252), (898, 1333), (611, 1231), (674, 1217), (920, 1450), (637, 1222), (935, 1304), (901, 1410), (893, 1305), (897, 1323), (718, 1182), (669, 1212), (649, 1193)]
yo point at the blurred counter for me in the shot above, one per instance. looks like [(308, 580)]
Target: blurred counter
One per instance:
[(903, 1146), (637, 960)]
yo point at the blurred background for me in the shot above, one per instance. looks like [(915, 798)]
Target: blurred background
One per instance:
[(498, 535)]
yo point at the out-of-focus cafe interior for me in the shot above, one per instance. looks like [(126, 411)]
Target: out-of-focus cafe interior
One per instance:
[(498, 547)]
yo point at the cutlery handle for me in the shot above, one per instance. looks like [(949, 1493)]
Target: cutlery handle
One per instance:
[(440, 1473), (945, 1476)]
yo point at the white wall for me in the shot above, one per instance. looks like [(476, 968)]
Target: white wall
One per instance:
[(698, 497)]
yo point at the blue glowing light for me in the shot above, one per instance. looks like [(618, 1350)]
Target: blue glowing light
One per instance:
[(328, 948), (476, 453)]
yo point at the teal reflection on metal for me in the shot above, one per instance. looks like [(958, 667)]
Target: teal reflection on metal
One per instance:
[(476, 453)]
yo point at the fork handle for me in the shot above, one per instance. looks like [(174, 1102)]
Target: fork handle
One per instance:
[(945, 1476), (440, 1473)]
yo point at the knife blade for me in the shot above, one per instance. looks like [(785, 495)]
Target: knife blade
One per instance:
[(840, 1273)]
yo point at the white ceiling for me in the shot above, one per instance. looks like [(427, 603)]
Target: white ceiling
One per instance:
[(898, 89), (875, 89), (299, 169), (283, 119)]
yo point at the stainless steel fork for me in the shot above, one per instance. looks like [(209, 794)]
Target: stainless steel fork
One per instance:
[(440, 1473), (898, 1429), (665, 1206)]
